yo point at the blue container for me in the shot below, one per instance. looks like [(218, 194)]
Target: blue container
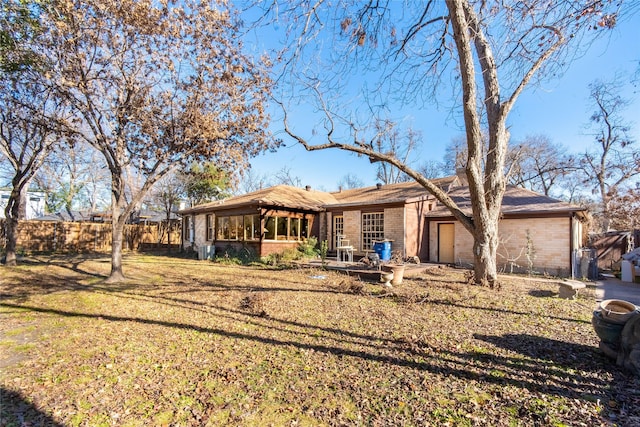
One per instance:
[(383, 249)]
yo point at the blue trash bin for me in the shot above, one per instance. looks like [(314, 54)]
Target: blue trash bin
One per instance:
[(383, 249)]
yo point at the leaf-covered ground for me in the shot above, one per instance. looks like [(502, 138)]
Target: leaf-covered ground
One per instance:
[(191, 343)]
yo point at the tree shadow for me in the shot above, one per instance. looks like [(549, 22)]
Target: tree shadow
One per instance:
[(547, 351), (16, 410), (539, 293), (469, 365)]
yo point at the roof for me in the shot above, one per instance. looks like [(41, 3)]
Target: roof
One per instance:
[(66, 215), (516, 200), (390, 193), (278, 196)]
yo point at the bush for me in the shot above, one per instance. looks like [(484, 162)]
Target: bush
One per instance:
[(230, 255), (308, 247)]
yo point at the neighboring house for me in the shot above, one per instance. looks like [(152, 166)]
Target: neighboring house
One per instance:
[(270, 220), (67, 216), (35, 202)]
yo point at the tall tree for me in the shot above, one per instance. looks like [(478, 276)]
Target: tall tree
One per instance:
[(19, 27), (157, 86), (538, 164), (71, 177), (611, 167), (29, 129), (204, 183), (491, 51), (391, 142), (350, 181)]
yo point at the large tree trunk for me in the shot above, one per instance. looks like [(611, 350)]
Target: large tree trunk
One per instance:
[(117, 230), (118, 219), (11, 229), (12, 215), (485, 247)]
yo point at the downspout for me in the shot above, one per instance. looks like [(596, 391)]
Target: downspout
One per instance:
[(572, 255)]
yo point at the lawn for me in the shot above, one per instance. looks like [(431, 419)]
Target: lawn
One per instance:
[(191, 343)]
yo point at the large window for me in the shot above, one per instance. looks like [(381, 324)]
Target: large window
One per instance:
[(248, 227), (252, 227), (372, 229), (238, 227), (283, 228)]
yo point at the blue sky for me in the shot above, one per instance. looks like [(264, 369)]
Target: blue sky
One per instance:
[(559, 108)]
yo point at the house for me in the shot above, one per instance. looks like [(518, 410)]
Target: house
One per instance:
[(533, 227), (265, 221), (35, 202)]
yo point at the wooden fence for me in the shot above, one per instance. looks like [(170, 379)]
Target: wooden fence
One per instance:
[(611, 246), (83, 237)]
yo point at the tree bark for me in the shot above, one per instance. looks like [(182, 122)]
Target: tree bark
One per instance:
[(118, 219), (11, 228), (12, 215), (485, 247)]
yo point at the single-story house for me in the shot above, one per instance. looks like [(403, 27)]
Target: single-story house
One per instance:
[(546, 230)]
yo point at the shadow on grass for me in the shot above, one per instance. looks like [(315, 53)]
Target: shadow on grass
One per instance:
[(567, 376), (15, 410)]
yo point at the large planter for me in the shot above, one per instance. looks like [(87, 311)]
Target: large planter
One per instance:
[(617, 311), (608, 332), (398, 272)]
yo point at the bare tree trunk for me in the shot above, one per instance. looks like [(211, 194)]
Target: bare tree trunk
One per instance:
[(118, 219), (117, 229), (485, 247), (12, 215), (11, 227)]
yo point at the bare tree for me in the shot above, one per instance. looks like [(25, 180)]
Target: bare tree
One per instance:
[(286, 177), (350, 181), (168, 193), (624, 210), (157, 86), (490, 50), (610, 168), (538, 164), (29, 130), (432, 169), (251, 181), (455, 155), (71, 177), (391, 142)]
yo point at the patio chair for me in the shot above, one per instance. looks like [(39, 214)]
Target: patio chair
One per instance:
[(343, 247)]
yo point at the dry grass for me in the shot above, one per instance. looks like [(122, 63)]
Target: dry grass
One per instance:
[(194, 343)]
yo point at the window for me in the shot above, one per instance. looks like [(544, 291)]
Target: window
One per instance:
[(188, 229), (222, 228), (270, 228), (210, 227), (294, 228), (229, 228), (372, 229), (282, 228), (338, 228), (251, 227)]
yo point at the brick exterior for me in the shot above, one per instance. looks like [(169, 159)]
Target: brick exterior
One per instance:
[(550, 238)]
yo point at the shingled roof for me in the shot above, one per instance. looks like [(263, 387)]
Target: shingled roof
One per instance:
[(516, 200), (278, 196), (390, 193)]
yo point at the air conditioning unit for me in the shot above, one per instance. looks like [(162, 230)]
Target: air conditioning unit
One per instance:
[(206, 252)]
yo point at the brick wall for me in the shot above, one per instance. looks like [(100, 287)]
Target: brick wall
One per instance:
[(550, 238), (353, 228), (394, 223)]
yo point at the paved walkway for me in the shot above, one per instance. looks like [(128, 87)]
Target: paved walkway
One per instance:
[(612, 288)]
